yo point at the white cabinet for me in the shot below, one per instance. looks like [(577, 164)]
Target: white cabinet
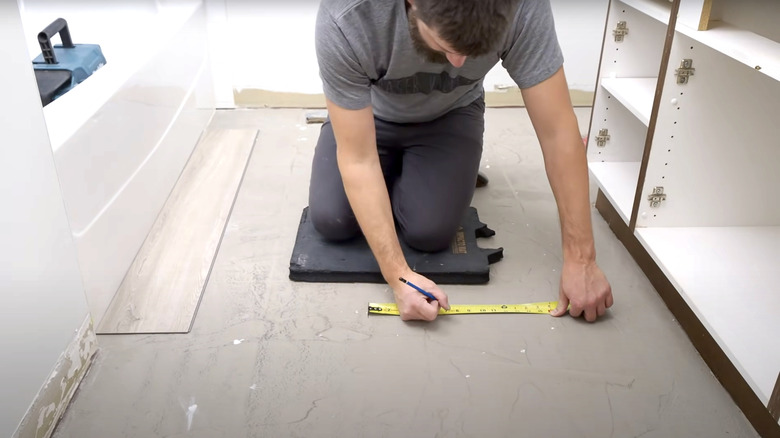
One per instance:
[(684, 143), (628, 77)]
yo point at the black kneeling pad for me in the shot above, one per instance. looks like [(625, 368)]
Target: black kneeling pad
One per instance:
[(316, 260)]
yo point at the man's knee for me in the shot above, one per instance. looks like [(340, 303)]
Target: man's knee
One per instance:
[(428, 236), (333, 224)]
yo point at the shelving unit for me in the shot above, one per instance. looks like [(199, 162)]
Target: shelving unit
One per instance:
[(716, 144), (655, 9), (732, 290), (628, 77), (744, 46), (691, 178), (615, 179), (636, 94)]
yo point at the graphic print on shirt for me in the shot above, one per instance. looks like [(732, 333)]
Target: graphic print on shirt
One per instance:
[(424, 83)]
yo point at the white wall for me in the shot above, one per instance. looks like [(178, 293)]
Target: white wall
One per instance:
[(580, 28), (269, 45), (41, 295)]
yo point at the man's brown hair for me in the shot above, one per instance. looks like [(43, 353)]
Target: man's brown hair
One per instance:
[(471, 27)]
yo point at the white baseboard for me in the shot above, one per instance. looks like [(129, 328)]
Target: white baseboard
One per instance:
[(55, 395)]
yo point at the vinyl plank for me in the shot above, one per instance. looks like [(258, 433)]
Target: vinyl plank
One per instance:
[(163, 287)]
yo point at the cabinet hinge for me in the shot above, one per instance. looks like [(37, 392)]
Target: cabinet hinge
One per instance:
[(620, 31), (657, 197), (603, 137), (686, 69)]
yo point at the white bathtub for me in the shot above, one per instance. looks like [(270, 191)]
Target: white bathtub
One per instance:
[(122, 137)]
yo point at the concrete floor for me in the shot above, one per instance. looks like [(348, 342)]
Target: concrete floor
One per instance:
[(270, 358)]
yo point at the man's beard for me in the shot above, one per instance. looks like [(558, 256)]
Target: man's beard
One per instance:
[(420, 45)]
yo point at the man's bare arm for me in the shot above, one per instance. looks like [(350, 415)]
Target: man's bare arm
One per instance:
[(583, 285)]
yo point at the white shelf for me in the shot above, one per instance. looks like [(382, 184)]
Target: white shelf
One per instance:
[(728, 276), (744, 46), (636, 94), (657, 9), (618, 181)]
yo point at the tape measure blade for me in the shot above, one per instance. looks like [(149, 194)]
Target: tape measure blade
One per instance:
[(467, 309), (471, 309)]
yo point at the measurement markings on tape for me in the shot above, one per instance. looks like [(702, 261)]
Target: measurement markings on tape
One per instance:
[(470, 309)]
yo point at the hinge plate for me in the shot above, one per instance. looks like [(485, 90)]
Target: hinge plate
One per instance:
[(620, 31), (657, 197), (603, 137), (685, 71)]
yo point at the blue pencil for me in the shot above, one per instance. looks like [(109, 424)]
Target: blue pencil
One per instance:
[(418, 288)]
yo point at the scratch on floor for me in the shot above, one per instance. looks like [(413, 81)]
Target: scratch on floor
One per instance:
[(514, 403), (611, 413), (305, 417), (665, 399), (465, 377)]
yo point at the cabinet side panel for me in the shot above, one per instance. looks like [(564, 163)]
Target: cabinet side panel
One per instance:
[(639, 54), (626, 132), (717, 145)]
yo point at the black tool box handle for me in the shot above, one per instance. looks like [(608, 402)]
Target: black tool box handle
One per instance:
[(44, 39)]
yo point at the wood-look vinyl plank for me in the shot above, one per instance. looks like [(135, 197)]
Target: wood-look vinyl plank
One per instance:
[(163, 287)]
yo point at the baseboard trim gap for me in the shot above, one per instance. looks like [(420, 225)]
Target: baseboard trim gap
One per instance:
[(56, 394)]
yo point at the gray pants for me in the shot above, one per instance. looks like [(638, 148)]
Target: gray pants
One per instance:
[(430, 170)]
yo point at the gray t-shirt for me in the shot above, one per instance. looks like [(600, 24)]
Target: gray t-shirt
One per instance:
[(366, 57)]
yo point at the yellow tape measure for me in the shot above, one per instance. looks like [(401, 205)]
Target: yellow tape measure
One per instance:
[(466, 309)]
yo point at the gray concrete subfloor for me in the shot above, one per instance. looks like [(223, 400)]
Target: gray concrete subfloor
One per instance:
[(271, 358)]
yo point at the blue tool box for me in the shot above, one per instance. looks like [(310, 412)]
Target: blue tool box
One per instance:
[(60, 68)]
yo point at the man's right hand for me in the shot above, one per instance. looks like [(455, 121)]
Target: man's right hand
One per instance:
[(412, 304)]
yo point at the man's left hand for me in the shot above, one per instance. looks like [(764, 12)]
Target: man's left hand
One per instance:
[(586, 288)]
